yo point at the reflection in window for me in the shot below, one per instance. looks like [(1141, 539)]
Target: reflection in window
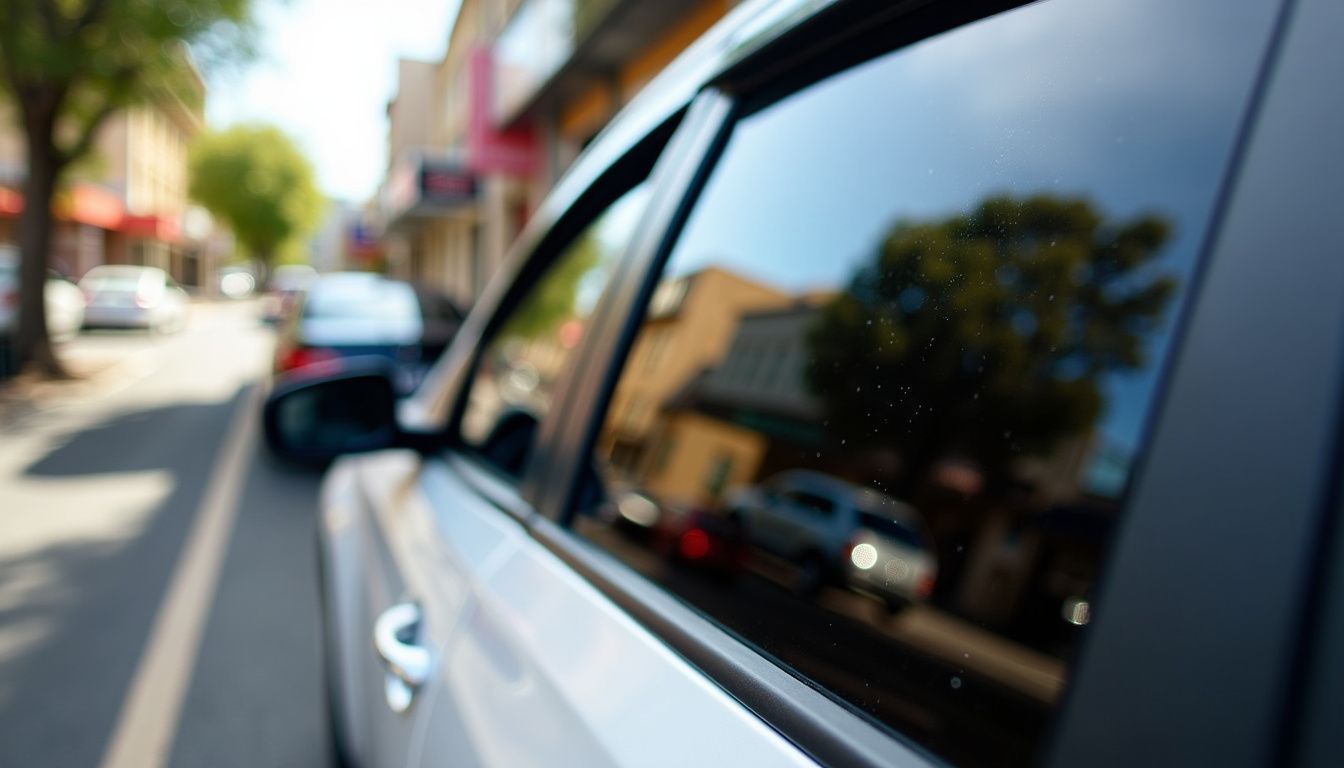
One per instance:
[(912, 361), (516, 375)]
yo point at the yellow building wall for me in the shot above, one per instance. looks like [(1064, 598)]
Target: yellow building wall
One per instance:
[(697, 337), (694, 445)]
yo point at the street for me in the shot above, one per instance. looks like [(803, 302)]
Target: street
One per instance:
[(157, 588)]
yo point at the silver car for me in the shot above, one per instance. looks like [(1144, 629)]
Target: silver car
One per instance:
[(830, 530), (124, 296)]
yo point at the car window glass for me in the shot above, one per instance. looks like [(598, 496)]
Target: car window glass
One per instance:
[(361, 297), (515, 377), (811, 502), (936, 289)]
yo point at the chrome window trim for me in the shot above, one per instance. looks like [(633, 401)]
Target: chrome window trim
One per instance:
[(500, 491)]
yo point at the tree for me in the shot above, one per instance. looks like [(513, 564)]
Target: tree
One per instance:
[(556, 296), (986, 334), (70, 64), (255, 179)]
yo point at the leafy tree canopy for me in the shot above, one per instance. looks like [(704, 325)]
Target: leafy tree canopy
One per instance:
[(986, 333), (554, 299), (255, 179), (75, 62)]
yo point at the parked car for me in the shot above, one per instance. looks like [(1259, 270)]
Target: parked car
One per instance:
[(990, 259), (286, 284), (834, 531), (125, 296), (64, 302), (352, 314), (236, 282)]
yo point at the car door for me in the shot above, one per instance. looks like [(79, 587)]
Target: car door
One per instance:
[(408, 538)]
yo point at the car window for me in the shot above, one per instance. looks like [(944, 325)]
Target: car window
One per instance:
[(515, 377), (361, 297), (945, 280), (811, 502), (891, 528)]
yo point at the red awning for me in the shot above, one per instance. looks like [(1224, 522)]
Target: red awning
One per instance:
[(93, 205), (11, 202), (154, 227)]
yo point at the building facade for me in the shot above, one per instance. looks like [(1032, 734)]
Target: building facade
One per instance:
[(523, 87), (126, 203)]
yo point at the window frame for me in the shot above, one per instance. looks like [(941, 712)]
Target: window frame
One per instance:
[(595, 183), (826, 729)]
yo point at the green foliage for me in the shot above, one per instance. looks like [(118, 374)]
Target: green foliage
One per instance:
[(553, 300), (986, 333), (255, 179), (74, 62)]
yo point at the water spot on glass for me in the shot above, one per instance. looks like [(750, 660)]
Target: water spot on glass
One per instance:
[(956, 683)]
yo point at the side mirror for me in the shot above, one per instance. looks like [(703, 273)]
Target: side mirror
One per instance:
[(351, 410)]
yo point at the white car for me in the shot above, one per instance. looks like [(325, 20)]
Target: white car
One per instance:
[(65, 302), (125, 296), (832, 530)]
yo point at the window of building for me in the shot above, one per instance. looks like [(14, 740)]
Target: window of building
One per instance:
[(514, 380), (984, 241)]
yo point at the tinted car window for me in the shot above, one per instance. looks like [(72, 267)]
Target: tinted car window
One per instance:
[(515, 378), (947, 278), (811, 502)]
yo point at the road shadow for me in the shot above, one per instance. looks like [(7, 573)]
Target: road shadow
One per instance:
[(82, 609)]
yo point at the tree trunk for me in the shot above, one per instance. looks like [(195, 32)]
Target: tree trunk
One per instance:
[(32, 346)]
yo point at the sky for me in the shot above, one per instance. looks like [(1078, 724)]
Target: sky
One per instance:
[(324, 74)]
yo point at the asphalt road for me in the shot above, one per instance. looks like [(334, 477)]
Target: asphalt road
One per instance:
[(153, 578)]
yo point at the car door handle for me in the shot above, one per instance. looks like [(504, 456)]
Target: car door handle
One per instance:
[(396, 640)]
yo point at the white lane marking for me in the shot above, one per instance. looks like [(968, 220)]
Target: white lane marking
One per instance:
[(145, 728)]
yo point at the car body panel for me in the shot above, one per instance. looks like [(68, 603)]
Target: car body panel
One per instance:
[(543, 668)]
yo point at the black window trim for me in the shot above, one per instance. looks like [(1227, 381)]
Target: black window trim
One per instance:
[(1238, 695), (530, 260)]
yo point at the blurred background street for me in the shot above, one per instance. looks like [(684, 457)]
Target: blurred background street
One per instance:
[(101, 480)]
